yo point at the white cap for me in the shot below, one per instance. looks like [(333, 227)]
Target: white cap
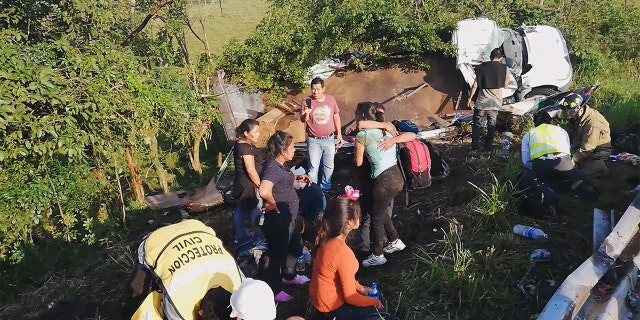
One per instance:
[(253, 301)]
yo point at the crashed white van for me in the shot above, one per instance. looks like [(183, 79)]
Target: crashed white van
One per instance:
[(537, 56)]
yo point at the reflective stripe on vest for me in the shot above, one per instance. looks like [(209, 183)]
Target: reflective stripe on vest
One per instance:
[(188, 259), (545, 139)]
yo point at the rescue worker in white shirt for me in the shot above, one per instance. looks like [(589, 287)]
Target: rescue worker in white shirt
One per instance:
[(547, 151), (177, 265)]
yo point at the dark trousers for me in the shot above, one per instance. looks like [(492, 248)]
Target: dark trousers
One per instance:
[(492, 116), (349, 312), (385, 187), (283, 239), (558, 170)]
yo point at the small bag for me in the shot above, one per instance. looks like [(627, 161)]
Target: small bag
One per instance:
[(439, 166)]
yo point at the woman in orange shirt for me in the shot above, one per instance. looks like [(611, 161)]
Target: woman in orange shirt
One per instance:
[(334, 290)]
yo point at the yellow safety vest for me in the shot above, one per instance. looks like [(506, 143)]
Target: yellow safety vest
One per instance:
[(546, 139), (187, 259)]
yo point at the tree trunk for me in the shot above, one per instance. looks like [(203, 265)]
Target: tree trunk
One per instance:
[(198, 131), (163, 179), (152, 13), (136, 179)]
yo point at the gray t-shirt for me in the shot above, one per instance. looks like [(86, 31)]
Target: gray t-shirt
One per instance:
[(489, 99)]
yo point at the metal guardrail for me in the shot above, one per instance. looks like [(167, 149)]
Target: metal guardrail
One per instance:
[(573, 298)]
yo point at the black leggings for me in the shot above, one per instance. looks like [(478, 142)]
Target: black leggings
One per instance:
[(385, 187), (282, 238)]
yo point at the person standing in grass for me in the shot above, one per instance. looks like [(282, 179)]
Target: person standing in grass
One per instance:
[(321, 114), (246, 157), (381, 151), (334, 290), (491, 77), (281, 206)]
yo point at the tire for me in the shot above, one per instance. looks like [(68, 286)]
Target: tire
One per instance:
[(541, 92)]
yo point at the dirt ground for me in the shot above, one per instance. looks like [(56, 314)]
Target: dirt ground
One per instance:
[(437, 204)]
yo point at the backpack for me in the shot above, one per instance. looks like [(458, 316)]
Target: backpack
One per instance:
[(248, 252), (415, 162), (535, 198), (439, 167)]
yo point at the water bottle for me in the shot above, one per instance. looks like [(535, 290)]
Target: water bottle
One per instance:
[(374, 291), (306, 257), (505, 147), (539, 254), (300, 264), (529, 232)]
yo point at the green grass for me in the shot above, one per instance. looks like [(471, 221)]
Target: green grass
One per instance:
[(236, 20)]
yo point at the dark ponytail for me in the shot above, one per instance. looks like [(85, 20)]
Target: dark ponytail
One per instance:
[(278, 143), (331, 223), (246, 126)]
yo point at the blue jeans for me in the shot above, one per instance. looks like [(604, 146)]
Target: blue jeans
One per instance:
[(321, 151), (238, 221)]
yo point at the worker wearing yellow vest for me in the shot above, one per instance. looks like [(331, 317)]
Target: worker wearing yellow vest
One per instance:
[(546, 149), (178, 264)]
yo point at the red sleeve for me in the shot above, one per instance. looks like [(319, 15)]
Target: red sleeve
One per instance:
[(347, 275)]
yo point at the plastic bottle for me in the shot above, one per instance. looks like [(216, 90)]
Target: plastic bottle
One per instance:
[(529, 232), (374, 291), (539, 254), (505, 147), (307, 257), (300, 264)]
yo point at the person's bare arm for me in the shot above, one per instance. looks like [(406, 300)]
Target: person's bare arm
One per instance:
[(337, 123), (474, 87), (370, 124), (506, 80), (266, 193), (304, 112), (358, 155), (250, 164), (387, 143)]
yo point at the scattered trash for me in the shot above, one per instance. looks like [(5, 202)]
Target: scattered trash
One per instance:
[(535, 256), (633, 301), (419, 212), (505, 147), (529, 232), (540, 254)]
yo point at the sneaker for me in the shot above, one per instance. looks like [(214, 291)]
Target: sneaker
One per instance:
[(394, 246), (283, 297), (374, 260), (297, 280)]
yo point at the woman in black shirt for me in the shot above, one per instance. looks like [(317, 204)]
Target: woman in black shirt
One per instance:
[(246, 182)]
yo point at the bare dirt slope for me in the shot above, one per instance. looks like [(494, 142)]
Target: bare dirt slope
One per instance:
[(390, 84)]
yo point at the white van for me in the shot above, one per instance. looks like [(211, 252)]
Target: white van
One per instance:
[(537, 56)]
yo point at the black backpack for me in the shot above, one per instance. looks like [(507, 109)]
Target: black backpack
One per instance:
[(535, 198), (439, 167)]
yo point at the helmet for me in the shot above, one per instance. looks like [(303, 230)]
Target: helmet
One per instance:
[(571, 101)]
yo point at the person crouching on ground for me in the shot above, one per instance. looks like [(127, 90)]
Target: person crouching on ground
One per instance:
[(280, 213), (381, 150), (590, 136), (334, 290), (252, 301), (546, 150), (178, 265)]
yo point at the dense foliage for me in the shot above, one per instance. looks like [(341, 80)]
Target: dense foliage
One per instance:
[(83, 119), (602, 37)]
